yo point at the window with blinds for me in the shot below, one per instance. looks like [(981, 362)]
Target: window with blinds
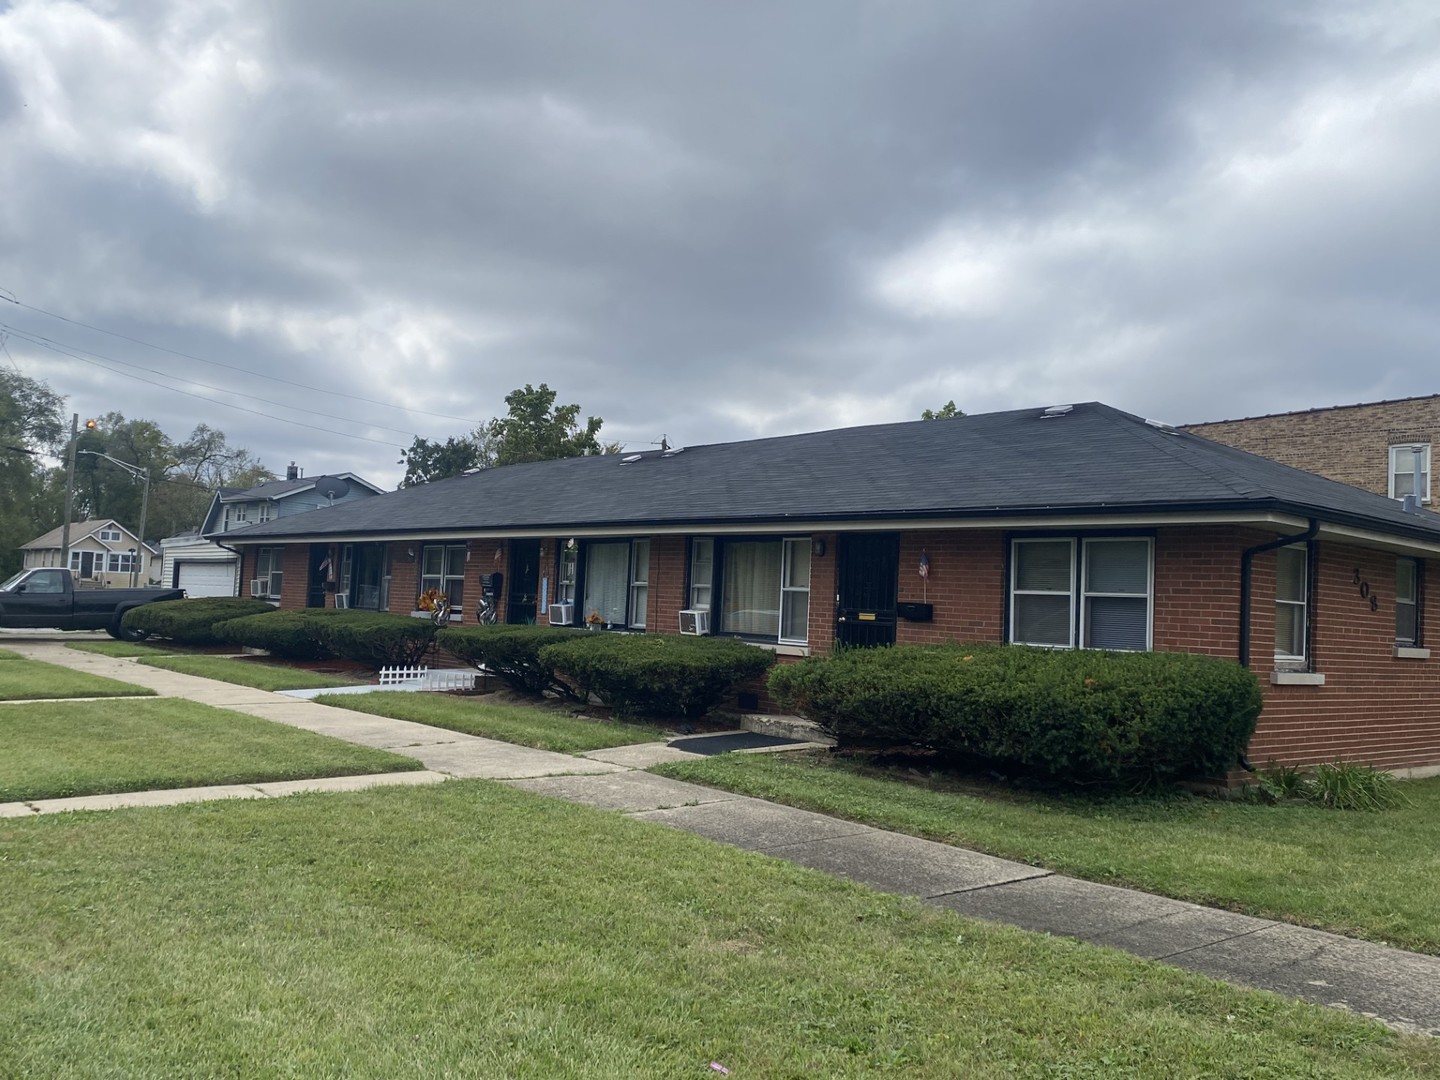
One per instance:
[(1094, 592)]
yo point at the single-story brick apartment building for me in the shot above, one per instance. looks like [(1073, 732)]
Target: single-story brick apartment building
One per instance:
[(1072, 526)]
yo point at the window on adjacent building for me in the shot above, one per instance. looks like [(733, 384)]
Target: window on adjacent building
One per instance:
[(240, 512), (262, 512), (765, 589), (639, 582), (702, 572), (117, 563), (269, 568), (1403, 460), (110, 535), (1291, 598), (1095, 592), (1407, 602), (442, 567)]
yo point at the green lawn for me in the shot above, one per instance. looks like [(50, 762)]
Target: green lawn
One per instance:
[(474, 930), (118, 648), (22, 679), (55, 749), (262, 676), (6, 654), (1366, 875), (544, 729)]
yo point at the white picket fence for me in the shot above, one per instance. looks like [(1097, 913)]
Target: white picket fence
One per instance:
[(441, 679)]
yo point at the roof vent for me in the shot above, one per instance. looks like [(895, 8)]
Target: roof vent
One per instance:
[(673, 451), (1160, 425), (1056, 410), (1410, 504), (630, 459)]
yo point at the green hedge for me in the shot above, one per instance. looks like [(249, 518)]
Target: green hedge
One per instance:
[(660, 676), (1081, 714), (511, 653), (373, 638), (191, 622)]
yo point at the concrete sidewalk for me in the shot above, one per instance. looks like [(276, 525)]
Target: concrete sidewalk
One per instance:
[(1399, 988)]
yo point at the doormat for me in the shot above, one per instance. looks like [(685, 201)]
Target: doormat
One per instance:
[(731, 740)]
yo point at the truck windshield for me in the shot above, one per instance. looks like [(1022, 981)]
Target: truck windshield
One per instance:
[(10, 581)]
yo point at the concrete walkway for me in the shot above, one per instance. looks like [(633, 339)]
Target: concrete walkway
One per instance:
[(1399, 988)]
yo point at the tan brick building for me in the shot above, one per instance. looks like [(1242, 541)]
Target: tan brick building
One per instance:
[(1371, 445)]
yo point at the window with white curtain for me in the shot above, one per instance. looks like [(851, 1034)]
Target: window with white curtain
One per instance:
[(607, 582), (750, 593), (1094, 592)]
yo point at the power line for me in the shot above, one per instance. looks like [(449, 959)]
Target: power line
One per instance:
[(212, 401), (233, 367), (45, 342)]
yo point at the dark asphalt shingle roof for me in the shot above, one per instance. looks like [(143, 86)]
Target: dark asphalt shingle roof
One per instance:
[(1095, 458)]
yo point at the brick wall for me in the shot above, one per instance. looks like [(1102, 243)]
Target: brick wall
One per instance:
[(1350, 443), (404, 577), (966, 585)]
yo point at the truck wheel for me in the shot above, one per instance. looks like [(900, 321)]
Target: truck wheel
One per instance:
[(121, 633)]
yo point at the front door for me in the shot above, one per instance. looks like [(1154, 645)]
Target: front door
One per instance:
[(524, 581), (319, 573), (869, 580)]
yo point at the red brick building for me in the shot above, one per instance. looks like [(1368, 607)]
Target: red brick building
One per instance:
[(1070, 527)]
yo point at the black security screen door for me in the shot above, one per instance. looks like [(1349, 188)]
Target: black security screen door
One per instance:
[(524, 581), (869, 578), (319, 572)]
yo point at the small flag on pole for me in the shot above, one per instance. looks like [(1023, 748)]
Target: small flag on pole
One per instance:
[(924, 565)]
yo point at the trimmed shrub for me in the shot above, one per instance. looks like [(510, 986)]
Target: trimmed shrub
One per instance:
[(375, 638), (1081, 714), (659, 676), (511, 653), (292, 635), (191, 622)]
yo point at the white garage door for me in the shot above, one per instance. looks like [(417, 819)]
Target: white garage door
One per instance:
[(207, 578)]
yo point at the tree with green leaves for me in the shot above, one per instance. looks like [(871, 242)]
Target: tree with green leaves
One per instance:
[(31, 424), (533, 429), (948, 411)]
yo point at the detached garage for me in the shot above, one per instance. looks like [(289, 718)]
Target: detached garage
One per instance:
[(199, 567)]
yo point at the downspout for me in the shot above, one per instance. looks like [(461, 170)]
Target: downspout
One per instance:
[(1247, 562)]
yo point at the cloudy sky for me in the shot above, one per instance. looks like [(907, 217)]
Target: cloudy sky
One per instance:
[(713, 220)]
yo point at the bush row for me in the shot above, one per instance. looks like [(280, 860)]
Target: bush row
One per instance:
[(375, 639), (190, 622), (642, 675), (1083, 714)]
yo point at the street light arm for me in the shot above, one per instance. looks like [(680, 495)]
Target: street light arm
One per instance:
[(137, 472)]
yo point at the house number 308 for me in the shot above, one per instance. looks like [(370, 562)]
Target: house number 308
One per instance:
[(1365, 593)]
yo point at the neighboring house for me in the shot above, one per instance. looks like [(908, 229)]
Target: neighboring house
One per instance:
[(203, 567), (1073, 526), (1375, 445), (102, 553)]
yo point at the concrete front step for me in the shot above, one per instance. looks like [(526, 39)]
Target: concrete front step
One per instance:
[(785, 727)]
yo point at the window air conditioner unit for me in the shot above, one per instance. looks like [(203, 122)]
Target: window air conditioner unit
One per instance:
[(695, 621), (342, 600), (562, 614), (259, 587)]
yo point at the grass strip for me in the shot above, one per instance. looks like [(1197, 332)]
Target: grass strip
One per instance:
[(6, 654), (22, 680), (118, 648), (260, 675), (1367, 875), (543, 729), (474, 930), (55, 750)]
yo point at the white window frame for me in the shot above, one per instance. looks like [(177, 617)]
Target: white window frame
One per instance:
[(565, 573), (1424, 450), (1303, 657), (1078, 593), (270, 565), (702, 582), (639, 582), (1148, 596), (1015, 545), (110, 536), (262, 512), (444, 578), (1413, 641), (787, 555), (240, 512)]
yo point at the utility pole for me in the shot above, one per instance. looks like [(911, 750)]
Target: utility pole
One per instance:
[(69, 491), (144, 510)]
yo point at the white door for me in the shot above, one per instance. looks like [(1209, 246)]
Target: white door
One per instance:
[(207, 578)]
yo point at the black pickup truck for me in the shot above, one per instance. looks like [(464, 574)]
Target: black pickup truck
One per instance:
[(46, 599)]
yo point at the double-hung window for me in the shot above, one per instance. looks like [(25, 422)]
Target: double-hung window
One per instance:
[(565, 575), (702, 572), (1403, 462), (262, 512), (1095, 592), (110, 535), (1292, 596), (1407, 602), (442, 567), (609, 584), (639, 582), (765, 589), (269, 568)]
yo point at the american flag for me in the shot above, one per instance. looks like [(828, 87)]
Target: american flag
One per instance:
[(924, 565)]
